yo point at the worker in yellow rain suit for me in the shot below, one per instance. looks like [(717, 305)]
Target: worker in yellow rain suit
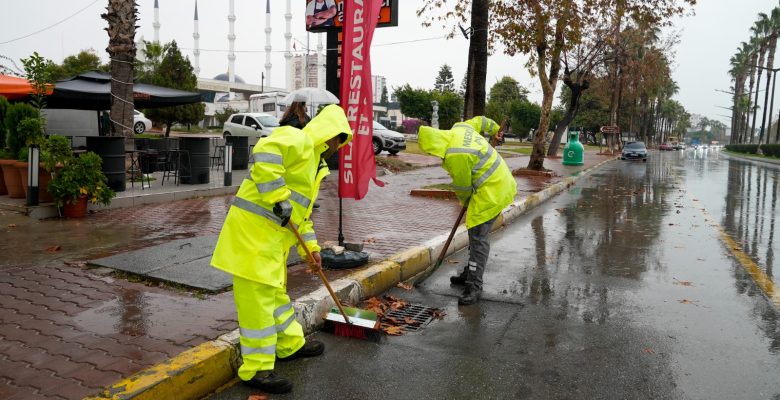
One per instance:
[(483, 182), (254, 242)]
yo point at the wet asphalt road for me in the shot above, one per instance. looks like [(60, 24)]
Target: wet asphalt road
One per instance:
[(619, 289)]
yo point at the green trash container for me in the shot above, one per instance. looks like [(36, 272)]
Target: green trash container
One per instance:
[(574, 151)]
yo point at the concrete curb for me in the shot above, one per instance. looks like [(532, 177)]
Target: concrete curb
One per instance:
[(197, 372)]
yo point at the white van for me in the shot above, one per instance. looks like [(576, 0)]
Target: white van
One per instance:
[(268, 103)]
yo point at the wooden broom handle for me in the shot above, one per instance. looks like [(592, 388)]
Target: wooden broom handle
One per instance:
[(319, 271)]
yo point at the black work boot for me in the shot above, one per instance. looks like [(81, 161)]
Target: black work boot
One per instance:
[(269, 382), (311, 348), (470, 295), (460, 279)]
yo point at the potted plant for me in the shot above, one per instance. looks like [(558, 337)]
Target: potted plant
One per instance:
[(3, 108), (15, 143), (80, 181)]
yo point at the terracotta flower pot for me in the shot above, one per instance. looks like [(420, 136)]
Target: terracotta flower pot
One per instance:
[(12, 181), (78, 210), (3, 190), (21, 168), (44, 177)]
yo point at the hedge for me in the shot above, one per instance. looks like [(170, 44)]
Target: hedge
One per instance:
[(772, 150), (743, 148)]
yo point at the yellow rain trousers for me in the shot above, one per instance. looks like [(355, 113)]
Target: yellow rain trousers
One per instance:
[(253, 246), (479, 175)]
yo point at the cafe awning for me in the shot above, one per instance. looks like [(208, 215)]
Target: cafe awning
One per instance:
[(14, 88), (92, 91)]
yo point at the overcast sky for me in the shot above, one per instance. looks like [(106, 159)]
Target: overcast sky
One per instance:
[(708, 40)]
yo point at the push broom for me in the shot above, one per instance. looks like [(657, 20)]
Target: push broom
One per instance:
[(343, 321), (425, 274)]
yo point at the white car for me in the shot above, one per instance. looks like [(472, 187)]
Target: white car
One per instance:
[(385, 139), (255, 125), (141, 124)]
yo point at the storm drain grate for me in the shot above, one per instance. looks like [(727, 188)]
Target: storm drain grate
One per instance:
[(419, 314)]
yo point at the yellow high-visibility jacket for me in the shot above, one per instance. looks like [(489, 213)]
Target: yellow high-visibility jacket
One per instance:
[(479, 174), (287, 168), (484, 125)]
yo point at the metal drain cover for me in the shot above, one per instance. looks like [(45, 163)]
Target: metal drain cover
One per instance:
[(420, 314)]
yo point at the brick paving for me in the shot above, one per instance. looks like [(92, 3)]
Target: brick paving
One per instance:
[(67, 331)]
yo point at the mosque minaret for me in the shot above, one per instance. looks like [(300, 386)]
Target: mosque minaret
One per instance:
[(196, 37), (268, 41), (156, 23), (287, 45), (232, 42)]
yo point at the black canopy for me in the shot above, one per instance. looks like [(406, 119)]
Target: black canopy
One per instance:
[(92, 91)]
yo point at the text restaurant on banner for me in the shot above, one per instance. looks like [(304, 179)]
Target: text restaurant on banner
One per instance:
[(357, 164)]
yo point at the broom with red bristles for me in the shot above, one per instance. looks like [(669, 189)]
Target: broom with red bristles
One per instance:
[(347, 321)]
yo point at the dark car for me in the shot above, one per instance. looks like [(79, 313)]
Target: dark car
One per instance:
[(634, 151)]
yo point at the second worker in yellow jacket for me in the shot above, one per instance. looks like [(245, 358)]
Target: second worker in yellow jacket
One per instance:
[(483, 182)]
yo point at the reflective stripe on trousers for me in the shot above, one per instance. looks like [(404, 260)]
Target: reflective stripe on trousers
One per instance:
[(267, 326)]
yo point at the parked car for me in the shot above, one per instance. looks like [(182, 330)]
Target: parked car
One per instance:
[(255, 125), (385, 139), (634, 151), (679, 146), (665, 147), (141, 124)]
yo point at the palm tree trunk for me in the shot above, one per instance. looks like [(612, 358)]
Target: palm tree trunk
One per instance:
[(770, 61), (121, 16), (758, 85)]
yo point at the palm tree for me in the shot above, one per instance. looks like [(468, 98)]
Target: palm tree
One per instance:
[(121, 16), (739, 71), (774, 25), (761, 31), (754, 50)]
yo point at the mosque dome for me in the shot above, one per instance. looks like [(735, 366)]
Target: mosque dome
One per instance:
[(224, 77)]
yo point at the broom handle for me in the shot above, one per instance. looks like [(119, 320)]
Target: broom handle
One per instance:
[(319, 271), (425, 274), (452, 233)]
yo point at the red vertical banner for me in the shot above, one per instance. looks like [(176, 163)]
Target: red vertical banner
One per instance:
[(357, 164)]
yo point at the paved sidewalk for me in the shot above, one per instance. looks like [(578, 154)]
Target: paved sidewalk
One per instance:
[(67, 331)]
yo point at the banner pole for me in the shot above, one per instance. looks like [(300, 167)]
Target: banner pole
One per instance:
[(341, 231)]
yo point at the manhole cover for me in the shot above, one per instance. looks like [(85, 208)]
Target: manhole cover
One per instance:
[(412, 317)]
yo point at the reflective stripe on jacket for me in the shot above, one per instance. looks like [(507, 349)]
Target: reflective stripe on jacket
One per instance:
[(287, 168), (478, 172)]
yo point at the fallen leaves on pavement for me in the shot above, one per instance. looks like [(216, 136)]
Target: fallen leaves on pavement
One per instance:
[(393, 330), (394, 325), (12, 225), (53, 249), (686, 301), (682, 283), (649, 351), (257, 397), (404, 286)]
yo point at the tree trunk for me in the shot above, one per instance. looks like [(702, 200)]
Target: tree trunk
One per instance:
[(571, 111), (477, 63), (548, 81), (770, 61), (758, 85), (121, 16), (616, 81)]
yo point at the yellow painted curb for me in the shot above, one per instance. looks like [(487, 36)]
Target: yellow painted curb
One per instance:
[(190, 375), (759, 276), (377, 278), (412, 261)]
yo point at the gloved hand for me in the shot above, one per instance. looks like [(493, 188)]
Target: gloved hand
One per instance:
[(283, 210), (317, 262)]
